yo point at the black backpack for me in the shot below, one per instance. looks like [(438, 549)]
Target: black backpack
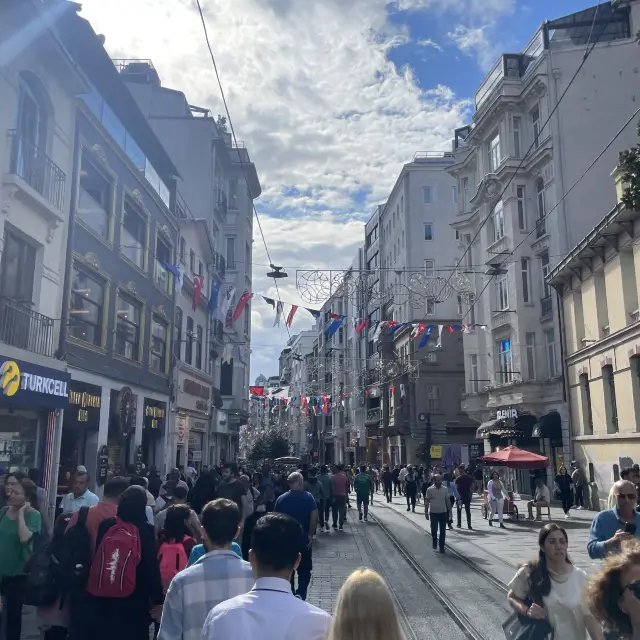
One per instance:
[(41, 584), (75, 556)]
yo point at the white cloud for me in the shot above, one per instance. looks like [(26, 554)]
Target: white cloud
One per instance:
[(324, 113), (478, 43), (428, 42), (462, 7)]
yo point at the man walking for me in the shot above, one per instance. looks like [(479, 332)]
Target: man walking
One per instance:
[(411, 487), (387, 483), (315, 488), (396, 474), (437, 508), (301, 506), (325, 480), (464, 484), (80, 496), (363, 484), (339, 491), (579, 478)]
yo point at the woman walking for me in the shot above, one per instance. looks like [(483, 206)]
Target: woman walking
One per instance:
[(497, 493), (552, 588), (564, 487)]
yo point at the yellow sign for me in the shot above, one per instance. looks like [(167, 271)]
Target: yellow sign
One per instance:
[(10, 375), (436, 451)]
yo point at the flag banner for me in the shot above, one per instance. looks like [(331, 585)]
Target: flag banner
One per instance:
[(334, 326), (270, 301), (378, 331), (291, 315), (178, 275), (314, 312), (227, 299), (213, 298), (426, 336), (256, 391), (198, 283), (361, 326), (440, 328), (276, 322), (242, 303), (241, 352), (227, 354), (397, 326)]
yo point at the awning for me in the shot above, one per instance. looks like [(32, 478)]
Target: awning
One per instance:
[(549, 426), (481, 431)]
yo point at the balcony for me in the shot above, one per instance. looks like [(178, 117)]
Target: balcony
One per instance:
[(220, 201), (219, 265), (373, 417), (541, 227), (37, 170), (547, 306), (26, 329), (217, 331)]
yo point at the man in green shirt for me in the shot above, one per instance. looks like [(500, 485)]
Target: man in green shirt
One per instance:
[(363, 484)]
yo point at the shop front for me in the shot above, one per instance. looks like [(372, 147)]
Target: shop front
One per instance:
[(153, 433), (122, 421)]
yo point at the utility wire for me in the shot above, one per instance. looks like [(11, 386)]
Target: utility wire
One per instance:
[(235, 141), (533, 145)]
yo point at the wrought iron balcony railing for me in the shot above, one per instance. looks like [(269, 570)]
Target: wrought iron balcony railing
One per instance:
[(220, 201), (547, 306), (36, 168), (26, 329)]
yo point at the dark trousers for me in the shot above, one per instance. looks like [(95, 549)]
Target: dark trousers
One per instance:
[(438, 522), (12, 589), (339, 508), (363, 501), (388, 492), (411, 493), (397, 489), (304, 574), (320, 506), (567, 501), (55, 633), (466, 502), (579, 497), (328, 502)]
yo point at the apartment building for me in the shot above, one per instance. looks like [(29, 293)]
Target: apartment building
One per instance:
[(512, 170), (219, 183), (410, 243), (38, 86), (598, 288)]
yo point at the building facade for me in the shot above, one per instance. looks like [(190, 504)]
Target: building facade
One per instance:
[(515, 218), (38, 89), (598, 289)]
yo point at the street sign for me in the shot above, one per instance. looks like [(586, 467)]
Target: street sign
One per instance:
[(436, 451)]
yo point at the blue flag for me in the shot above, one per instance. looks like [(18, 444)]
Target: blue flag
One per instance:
[(426, 336), (213, 298), (333, 327)]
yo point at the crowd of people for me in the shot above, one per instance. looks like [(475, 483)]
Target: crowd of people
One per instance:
[(230, 551)]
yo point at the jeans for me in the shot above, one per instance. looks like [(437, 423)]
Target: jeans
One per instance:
[(411, 497), (327, 503), (304, 574), (363, 501), (579, 496), (55, 633), (339, 508), (12, 589), (439, 522), (388, 492), (466, 502), (397, 489), (567, 502), (320, 507)]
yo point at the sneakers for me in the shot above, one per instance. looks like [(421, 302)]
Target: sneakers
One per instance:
[(566, 515), (365, 519), (326, 526), (459, 526), (579, 508), (341, 529), (502, 526), (335, 526), (408, 508), (359, 516), (490, 523)]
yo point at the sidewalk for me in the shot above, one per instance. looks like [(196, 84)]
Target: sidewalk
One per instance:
[(501, 551)]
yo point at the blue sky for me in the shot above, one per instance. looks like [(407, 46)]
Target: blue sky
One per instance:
[(331, 97)]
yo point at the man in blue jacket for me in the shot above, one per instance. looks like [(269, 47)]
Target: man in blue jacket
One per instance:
[(609, 528)]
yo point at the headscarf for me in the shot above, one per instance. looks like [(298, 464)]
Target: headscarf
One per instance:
[(131, 507)]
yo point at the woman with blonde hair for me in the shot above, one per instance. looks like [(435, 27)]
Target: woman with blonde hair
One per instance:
[(365, 610)]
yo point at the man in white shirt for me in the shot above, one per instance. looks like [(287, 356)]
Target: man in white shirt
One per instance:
[(80, 496), (542, 498), (270, 611)]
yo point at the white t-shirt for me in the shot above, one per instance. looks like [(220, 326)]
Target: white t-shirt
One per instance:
[(403, 474), (564, 604)]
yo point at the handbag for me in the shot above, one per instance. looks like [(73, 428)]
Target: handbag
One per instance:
[(519, 627)]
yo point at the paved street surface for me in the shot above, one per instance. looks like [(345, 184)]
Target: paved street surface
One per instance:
[(494, 550)]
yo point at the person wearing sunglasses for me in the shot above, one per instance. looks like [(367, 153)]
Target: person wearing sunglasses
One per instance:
[(612, 527), (614, 593)]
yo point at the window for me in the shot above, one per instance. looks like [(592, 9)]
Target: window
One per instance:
[(459, 306), (585, 397), (226, 378), (199, 347), (494, 153), (188, 356), (403, 238), (134, 234), (517, 129), (502, 292), (247, 258), (163, 258), (427, 195), (542, 208), (498, 221), (192, 261), (505, 362), (473, 362), (373, 263), (177, 344), (535, 123), (531, 355), (402, 204), (610, 404), (522, 211), (247, 320), (18, 268), (158, 350), (526, 279), (465, 194), (428, 230), (200, 268), (128, 319), (544, 262), (468, 251), (552, 361), (431, 306), (231, 253), (433, 397), (454, 194), (86, 307), (472, 309), (183, 251), (94, 198), (233, 194)]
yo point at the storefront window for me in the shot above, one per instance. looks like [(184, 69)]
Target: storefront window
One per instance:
[(18, 439)]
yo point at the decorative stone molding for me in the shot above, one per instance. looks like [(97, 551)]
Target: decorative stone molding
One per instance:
[(92, 259), (161, 312), (10, 193), (606, 362), (131, 286), (635, 351), (100, 154), (52, 230), (137, 196)]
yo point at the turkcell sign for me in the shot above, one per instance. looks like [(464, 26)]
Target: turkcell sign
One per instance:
[(25, 385)]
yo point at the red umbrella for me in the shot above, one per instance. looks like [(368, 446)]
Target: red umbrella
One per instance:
[(515, 458)]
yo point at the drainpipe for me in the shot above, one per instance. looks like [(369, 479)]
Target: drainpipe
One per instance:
[(565, 381)]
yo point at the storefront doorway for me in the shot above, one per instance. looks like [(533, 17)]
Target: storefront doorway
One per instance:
[(18, 442)]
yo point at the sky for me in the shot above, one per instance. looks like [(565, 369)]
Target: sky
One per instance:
[(331, 98)]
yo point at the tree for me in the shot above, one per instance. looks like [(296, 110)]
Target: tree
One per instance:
[(269, 445), (630, 165)]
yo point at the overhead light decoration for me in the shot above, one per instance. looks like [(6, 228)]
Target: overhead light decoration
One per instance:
[(277, 272)]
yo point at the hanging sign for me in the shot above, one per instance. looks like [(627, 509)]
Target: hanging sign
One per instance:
[(436, 451), (103, 464), (139, 454)]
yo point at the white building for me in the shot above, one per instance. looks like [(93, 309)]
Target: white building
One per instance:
[(515, 364)]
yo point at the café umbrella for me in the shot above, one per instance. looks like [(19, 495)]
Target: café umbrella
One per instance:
[(515, 458)]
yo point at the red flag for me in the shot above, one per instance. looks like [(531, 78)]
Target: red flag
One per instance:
[(292, 313), (334, 316), (450, 329), (242, 303), (256, 391), (361, 326), (198, 283)]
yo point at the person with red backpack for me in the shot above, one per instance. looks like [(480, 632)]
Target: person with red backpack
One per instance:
[(174, 543), (124, 590)]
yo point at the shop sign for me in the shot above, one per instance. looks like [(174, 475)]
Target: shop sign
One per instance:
[(84, 404), (181, 430), (198, 426), (125, 408), (506, 414), (474, 451), (138, 456), (26, 384), (195, 439), (196, 456), (436, 451), (194, 388), (155, 413), (103, 464)]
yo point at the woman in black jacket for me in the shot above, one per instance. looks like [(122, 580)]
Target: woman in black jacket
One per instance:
[(129, 618)]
